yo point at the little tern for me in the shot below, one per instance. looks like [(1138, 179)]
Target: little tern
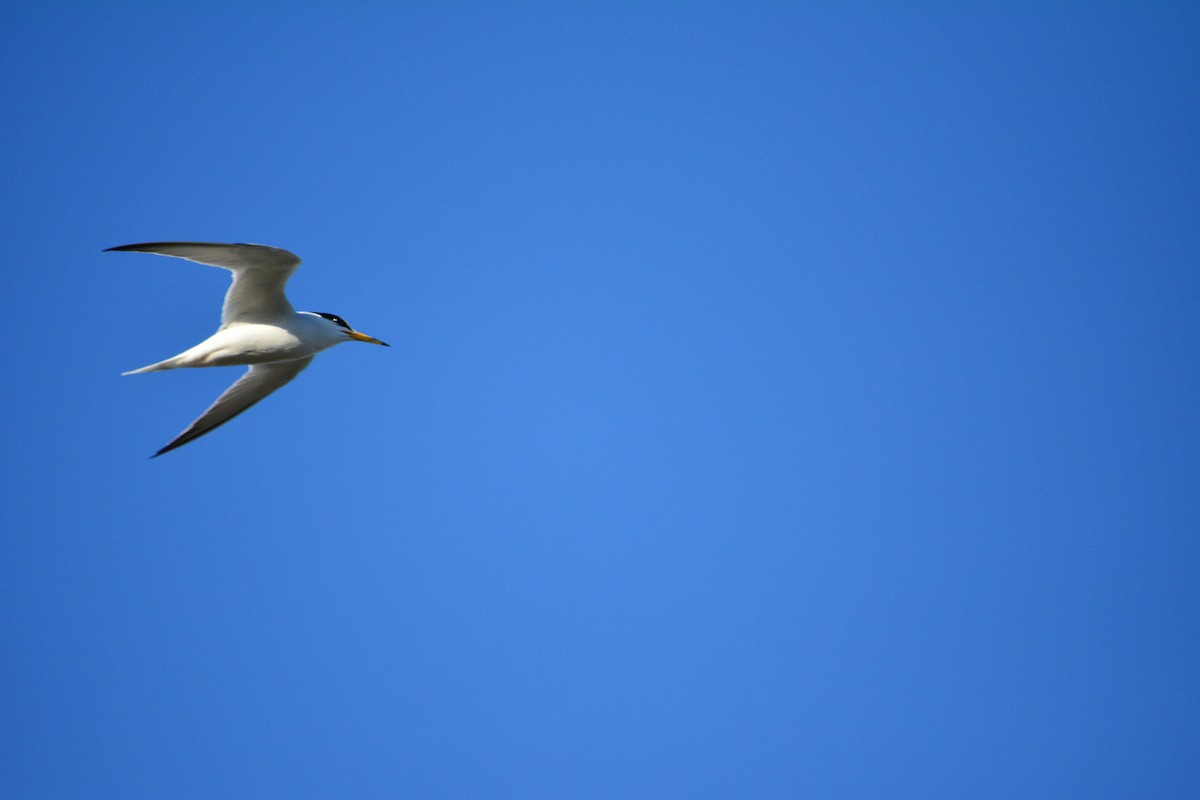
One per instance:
[(259, 328)]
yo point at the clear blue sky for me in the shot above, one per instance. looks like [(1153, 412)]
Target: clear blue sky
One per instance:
[(786, 401)]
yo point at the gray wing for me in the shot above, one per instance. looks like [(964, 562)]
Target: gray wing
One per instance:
[(258, 382), (259, 275)]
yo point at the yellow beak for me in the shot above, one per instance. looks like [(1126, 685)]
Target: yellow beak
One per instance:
[(362, 337)]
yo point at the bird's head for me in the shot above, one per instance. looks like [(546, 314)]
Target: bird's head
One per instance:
[(342, 327)]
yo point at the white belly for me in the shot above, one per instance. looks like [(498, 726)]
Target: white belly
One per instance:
[(250, 344)]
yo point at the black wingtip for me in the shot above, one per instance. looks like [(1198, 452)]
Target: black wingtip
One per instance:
[(137, 247)]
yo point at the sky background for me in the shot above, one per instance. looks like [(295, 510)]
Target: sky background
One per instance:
[(785, 400)]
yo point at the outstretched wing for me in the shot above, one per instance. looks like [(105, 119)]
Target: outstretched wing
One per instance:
[(258, 382), (259, 275)]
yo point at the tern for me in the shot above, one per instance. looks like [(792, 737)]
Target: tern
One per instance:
[(259, 328)]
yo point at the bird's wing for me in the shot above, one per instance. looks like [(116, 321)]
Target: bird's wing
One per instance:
[(258, 382), (259, 274)]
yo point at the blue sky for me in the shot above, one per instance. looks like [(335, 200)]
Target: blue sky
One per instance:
[(785, 400)]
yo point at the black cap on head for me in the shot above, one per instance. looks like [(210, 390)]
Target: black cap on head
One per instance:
[(334, 318)]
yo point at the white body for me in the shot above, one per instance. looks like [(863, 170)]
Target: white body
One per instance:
[(300, 335)]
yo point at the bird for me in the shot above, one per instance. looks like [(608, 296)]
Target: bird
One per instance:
[(259, 328)]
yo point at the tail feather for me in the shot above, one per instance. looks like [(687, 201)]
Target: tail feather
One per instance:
[(161, 365)]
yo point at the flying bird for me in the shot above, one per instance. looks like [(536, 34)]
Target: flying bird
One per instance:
[(259, 328)]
